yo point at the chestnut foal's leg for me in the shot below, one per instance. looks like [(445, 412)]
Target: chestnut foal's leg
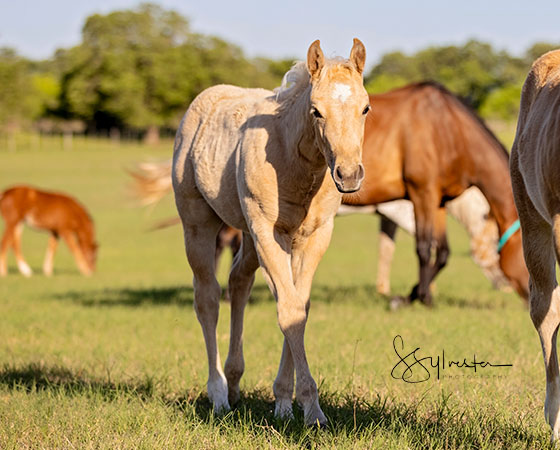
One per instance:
[(72, 242), (16, 242), (7, 239), (49, 255)]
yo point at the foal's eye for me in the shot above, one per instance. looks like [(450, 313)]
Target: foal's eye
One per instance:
[(366, 110), (316, 113)]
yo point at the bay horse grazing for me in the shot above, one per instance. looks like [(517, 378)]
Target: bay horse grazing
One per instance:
[(274, 165), (422, 143), (535, 159), (59, 214)]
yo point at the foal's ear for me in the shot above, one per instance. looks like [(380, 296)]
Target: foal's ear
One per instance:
[(315, 59), (358, 55)]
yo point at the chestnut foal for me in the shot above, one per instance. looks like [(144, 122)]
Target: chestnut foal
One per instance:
[(60, 215)]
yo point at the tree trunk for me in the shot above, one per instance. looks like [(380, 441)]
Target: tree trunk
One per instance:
[(152, 135)]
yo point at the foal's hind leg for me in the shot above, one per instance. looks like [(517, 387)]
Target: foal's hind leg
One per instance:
[(201, 225), (49, 255), (241, 280)]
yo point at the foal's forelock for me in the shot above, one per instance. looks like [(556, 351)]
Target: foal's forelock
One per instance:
[(297, 78)]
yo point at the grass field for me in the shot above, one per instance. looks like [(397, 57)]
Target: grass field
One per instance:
[(118, 360)]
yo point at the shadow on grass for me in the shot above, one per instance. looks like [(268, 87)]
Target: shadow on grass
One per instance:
[(37, 377), (172, 295), (365, 294), (184, 295), (350, 417)]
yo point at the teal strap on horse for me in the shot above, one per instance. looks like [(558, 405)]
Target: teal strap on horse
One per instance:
[(508, 233)]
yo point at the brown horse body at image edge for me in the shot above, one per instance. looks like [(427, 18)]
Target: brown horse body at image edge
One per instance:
[(535, 160), (59, 214)]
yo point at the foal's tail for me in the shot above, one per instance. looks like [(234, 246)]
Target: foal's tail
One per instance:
[(151, 181)]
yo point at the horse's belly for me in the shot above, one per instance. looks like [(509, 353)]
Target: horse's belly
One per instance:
[(217, 183)]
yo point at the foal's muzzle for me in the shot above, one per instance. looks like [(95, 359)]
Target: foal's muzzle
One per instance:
[(348, 179)]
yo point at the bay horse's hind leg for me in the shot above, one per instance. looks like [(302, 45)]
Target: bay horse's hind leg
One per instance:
[(16, 242), (200, 226), (439, 236), (49, 255), (241, 280), (387, 232)]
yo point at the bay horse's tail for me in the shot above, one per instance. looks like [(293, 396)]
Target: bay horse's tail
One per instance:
[(165, 223), (152, 181)]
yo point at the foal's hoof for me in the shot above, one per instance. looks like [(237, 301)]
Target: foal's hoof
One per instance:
[(315, 417), (398, 302), (233, 395), (283, 409), (318, 423)]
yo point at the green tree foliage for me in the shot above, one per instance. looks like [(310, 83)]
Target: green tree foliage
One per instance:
[(18, 100), (472, 71), (502, 103), (140, 68)]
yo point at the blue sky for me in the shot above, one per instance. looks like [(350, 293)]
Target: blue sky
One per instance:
[(286, 28)]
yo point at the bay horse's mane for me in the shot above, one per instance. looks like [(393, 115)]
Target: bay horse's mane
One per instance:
[(466, 107)]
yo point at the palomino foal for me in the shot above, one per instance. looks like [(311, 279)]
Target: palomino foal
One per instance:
[(59, 214), (535, 159), (265, 162)]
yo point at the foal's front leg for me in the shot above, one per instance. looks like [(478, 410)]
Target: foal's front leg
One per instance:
[(7, 239), (74, 247), (16, 242), (274, 251), (305, 258)]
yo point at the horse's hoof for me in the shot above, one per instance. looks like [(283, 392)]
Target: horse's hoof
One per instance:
[(398, 302), (283, 410), (233, 396), (319, 424), (314, 417)]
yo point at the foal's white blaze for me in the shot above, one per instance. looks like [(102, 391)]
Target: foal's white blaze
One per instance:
[(341, 92)]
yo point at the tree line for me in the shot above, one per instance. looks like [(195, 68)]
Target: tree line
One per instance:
[(135, 71)]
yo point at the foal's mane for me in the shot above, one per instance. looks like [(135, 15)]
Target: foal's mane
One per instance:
[(294, 81)]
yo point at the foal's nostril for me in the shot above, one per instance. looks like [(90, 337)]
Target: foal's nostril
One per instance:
[(338, 173), (361, 172)]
